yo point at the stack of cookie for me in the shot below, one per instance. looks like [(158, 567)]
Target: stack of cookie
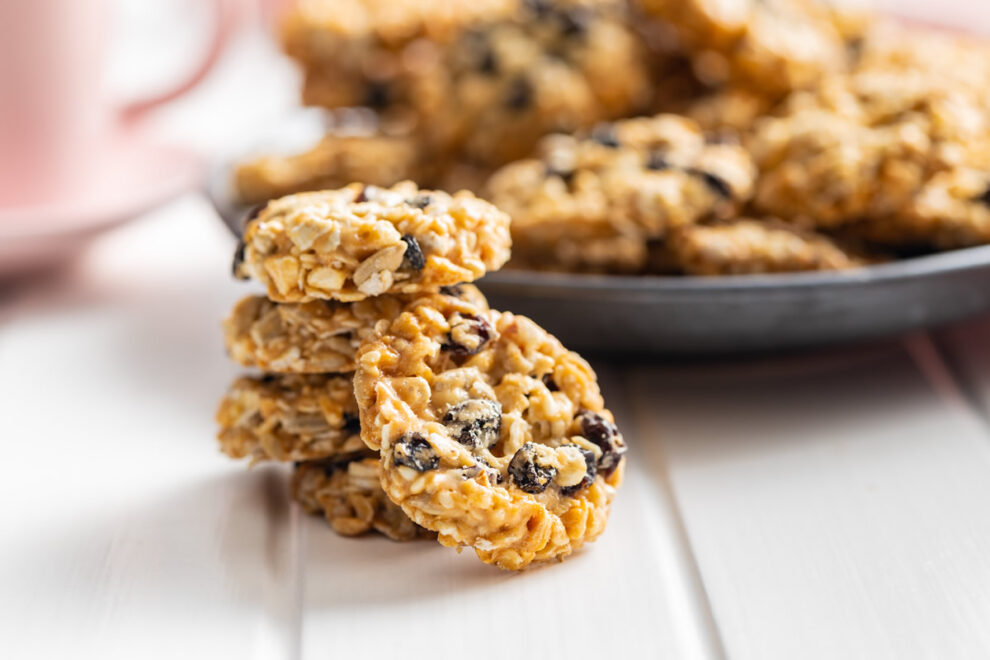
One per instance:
[(407, 405)]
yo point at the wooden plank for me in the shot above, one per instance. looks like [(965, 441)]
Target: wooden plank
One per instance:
[(837, 507), (126, 534)]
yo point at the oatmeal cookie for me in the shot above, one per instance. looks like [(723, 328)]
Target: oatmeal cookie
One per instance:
[(555, 65), (363, 241), (748, 246), (592, 201), (365, 52), (335, 161), (349, 495), (884, 148), (289, 418), (491, 433), (772, 46), (319, 336)]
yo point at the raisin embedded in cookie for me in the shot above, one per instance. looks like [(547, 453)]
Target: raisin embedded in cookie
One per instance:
[(747, 246), (554, 65), (289, 418), (592, 201), (491, 433), (349, 495), (319, 336), (363, 241)]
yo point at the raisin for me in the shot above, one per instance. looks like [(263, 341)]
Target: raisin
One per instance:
[(574, 23), (566, 175), (550, 383), (454, 291), (475, 423), (656, 161), (527, 473), (539, 8), (377, 95), (413, 259), (606, 436), (719, 185), (589, 475), (482, 466), (604, 134), (520, 94), (488, 62), (468, 334), (421, 201), (352, 423), (235, 267), (985, 197), (413, 450), (367, 194)]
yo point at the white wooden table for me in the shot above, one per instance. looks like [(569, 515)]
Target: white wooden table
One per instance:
[(834, 505)]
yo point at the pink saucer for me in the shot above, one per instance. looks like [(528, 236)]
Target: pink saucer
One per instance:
[(135, 177)]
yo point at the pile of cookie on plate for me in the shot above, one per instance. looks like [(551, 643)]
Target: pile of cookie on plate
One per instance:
[(697, 137), (409, 406)]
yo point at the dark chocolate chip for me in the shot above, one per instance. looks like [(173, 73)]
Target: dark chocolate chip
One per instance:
[(475, 423), (604, 134), (589, 475), (235, 267), (352, 423), (468, 335), (520, 94), (527, 473), (413, 450), (606, 436), (377, 95), (656, 161), (413, 258), (549, 382), (719, 185)]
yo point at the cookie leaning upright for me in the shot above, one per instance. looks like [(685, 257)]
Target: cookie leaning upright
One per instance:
[(361, 241), (491, 432)]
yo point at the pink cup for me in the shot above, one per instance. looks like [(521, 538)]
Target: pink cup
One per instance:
[(55, 118)]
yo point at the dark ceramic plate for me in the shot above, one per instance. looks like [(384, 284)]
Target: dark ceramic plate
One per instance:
[(721, 315)]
